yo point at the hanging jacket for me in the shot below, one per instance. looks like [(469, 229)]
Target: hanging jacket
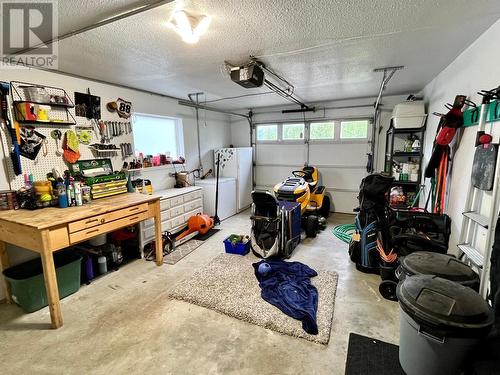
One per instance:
[(288, 287)]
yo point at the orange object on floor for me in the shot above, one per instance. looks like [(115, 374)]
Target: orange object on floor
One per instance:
[(200, 223)]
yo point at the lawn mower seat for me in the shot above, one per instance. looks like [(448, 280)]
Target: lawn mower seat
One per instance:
[(311, 176)]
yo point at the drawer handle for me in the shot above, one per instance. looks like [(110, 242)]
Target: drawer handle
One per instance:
[(92, 231), (91, 221), (134, 218), (134, 209), (103, 220)]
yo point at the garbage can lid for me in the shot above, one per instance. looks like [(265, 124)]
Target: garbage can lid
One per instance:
[(435, 301), (442, 265)]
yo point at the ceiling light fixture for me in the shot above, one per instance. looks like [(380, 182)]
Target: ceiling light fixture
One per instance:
[(189, 26)]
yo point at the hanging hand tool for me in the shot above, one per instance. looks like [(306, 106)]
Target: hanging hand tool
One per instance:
[(14, 154), (102, 130), (57, 135)]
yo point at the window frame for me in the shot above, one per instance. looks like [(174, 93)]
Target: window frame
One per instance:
[(268, 140), (291, 141), (179, 130), (355, 140), (307, 124), (323, 140)]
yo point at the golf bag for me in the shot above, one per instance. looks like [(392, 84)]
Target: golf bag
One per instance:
[(419, 231), (275, 226), (372, 227)]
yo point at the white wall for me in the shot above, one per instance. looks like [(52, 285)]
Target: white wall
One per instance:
[(475, 69), (214, 130)]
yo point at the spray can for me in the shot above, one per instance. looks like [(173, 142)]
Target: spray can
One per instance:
[(70, 192), (78, 194)]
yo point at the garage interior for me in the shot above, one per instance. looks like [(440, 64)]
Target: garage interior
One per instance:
[(273, 187)]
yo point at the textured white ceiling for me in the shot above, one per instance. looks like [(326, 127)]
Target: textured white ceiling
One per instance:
[(326, 48)]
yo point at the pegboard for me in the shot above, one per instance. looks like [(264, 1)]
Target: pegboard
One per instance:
[(47, 158)]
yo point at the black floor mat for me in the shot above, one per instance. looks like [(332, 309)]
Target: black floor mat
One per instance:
[(366, 355), (206, 236)]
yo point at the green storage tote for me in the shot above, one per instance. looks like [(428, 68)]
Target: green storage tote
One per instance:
[(27, 282)]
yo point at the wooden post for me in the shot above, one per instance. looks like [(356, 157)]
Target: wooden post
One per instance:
[(49, 274), (158, 232), (4, 264)]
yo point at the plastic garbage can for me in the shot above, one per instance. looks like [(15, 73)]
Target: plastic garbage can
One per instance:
[(441, 265), (441, 322), (27, 282)]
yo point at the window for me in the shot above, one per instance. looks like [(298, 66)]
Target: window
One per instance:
[(322, 130), (354, 129), (267, 132), (155, 135), (293, 132)]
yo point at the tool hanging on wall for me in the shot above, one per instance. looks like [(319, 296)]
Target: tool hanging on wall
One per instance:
[(439, 165), (4, 110), (57, 136)]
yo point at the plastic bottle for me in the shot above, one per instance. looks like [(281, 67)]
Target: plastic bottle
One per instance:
[(61, 192), (103, 267)]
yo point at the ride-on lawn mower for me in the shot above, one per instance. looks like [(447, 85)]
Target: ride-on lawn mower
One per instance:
[(303, 187)]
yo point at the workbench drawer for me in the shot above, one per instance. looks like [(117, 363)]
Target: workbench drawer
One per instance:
[(192, 196), (94, 221), (107, 227), (176, 201), (192, 205)]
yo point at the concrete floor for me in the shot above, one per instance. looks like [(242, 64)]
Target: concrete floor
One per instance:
[(125, 324)]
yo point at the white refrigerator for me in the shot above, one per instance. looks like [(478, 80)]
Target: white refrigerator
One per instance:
[(237, 163)]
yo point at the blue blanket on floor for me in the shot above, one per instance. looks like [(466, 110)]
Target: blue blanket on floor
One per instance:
[(288, 287)]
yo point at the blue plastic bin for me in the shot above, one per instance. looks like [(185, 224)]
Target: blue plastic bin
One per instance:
[(238, 248)]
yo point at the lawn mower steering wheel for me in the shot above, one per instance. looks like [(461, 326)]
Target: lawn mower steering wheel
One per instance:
[(302, 174)]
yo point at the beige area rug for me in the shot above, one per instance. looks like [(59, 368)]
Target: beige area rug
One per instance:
[(182, 251), (228, 285)]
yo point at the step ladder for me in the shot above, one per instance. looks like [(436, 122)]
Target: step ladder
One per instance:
[(479, 221)]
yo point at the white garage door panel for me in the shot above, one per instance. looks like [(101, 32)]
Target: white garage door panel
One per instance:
[(288, 154), (270, 176), (338, 154), (343, 178), (343, 201), (341, 163)]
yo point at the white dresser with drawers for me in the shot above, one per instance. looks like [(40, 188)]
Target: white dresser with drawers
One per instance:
[(177, 206)]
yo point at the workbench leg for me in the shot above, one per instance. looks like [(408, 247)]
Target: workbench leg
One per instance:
[(158, 233), (49, 274), (4, 263)]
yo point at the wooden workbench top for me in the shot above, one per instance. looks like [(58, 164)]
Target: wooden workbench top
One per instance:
[(53, 216)]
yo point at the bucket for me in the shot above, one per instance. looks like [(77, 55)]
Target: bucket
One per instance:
[(441, 324), (441, 265)]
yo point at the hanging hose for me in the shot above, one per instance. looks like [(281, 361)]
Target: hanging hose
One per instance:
[(344, 232)]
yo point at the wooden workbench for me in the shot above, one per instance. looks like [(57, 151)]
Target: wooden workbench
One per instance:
[(50, 229)]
